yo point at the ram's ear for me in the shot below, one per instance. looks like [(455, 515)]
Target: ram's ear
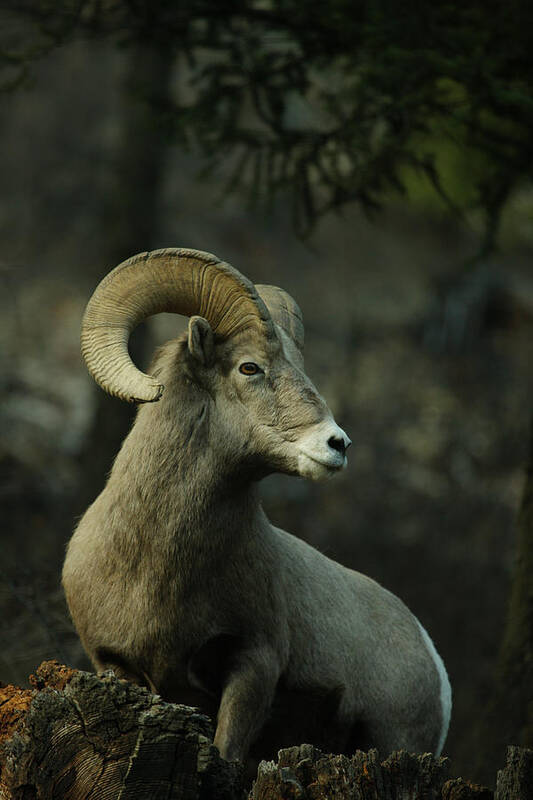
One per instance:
[(201, 341)]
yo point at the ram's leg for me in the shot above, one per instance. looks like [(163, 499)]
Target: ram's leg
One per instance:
[(246, 699)]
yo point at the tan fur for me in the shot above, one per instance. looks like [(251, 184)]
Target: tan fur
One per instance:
[(176, 579)]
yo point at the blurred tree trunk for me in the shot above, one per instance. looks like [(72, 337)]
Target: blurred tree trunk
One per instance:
[(510, 714), (129, 226), (516, 657)]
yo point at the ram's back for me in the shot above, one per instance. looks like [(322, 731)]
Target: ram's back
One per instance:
[(351, 636)]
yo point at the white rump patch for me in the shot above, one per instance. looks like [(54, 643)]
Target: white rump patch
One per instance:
[(445, 689)]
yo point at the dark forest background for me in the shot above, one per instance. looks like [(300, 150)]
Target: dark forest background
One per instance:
[(374, 162)]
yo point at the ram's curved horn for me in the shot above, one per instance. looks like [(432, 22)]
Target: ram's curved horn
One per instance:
[(286, 313), (182, 281)]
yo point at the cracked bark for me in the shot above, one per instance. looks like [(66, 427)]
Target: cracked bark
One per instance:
[(77, 736), (304, 773)]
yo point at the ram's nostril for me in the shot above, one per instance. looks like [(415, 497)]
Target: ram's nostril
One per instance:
[(337, 444)]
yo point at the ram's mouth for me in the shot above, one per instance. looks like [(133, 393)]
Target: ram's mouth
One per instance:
[(318, 467), (336, 465)]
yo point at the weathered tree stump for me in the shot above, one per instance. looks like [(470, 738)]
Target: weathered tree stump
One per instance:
[(460, 789), (304, 773), (516, 779), (76, 736)]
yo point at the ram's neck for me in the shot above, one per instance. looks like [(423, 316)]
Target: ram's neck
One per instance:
[(170, 496)]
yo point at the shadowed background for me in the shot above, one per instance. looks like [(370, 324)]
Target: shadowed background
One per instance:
[(426, 365)]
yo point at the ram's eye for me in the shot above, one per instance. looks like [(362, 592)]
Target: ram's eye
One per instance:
[(249, 368)]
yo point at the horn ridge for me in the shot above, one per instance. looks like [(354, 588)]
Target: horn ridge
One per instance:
[(178, 280), (284, 311)]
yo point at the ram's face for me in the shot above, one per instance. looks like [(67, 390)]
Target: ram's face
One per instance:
[(272, 413)]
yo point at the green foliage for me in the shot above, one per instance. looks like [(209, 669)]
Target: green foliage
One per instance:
[(335, 102)]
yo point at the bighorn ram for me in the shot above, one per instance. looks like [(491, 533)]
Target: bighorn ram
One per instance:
[(176, 579)]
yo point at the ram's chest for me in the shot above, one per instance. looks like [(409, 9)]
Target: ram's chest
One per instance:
[(179, 626)]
